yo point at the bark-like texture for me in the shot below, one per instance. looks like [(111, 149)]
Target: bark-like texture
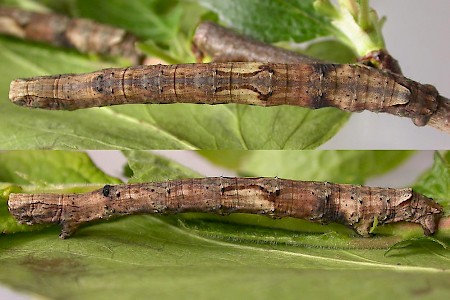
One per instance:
[(347, 87), (356, 206), (83, 35), (225, 45)]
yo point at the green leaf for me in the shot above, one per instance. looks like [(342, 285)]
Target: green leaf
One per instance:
[(145, 18), (374, 225), (42, 168), (334, 51), (147, 167), (25, 4), (286, 127), (230, 159), (416, 244), (356, 24), (164, 23), (272, 21), (334, 166), (435, 183), (35, 171), (65, 7), (143, 255)]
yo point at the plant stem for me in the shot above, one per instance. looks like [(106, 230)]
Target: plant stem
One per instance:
[(224, 45), (363, 16), (83, 35)]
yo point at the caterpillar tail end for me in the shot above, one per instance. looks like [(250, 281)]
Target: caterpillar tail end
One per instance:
[(18, 92), (21, 93)]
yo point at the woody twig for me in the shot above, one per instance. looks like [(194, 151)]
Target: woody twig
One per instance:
[(225, 45), (358, 207), (83, 35)]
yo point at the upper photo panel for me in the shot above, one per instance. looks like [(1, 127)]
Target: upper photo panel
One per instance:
[(213, 74)]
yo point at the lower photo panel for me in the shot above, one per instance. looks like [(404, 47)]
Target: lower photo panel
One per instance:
[(212, 224)]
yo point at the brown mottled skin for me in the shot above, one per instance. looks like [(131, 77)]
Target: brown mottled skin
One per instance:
[(355, 206), (347, 87)]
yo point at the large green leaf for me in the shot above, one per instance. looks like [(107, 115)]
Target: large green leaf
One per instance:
[(272, 21), (333, 166), (142, 255), (201, 256), (146, 166)]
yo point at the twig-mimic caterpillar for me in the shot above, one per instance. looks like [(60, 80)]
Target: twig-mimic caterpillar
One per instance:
[(355, 206)]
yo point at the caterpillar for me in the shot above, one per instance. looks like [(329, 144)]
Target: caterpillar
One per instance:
[(347, 87), (355, 206)]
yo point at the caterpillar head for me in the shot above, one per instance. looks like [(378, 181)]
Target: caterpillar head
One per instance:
[(426, 212)]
